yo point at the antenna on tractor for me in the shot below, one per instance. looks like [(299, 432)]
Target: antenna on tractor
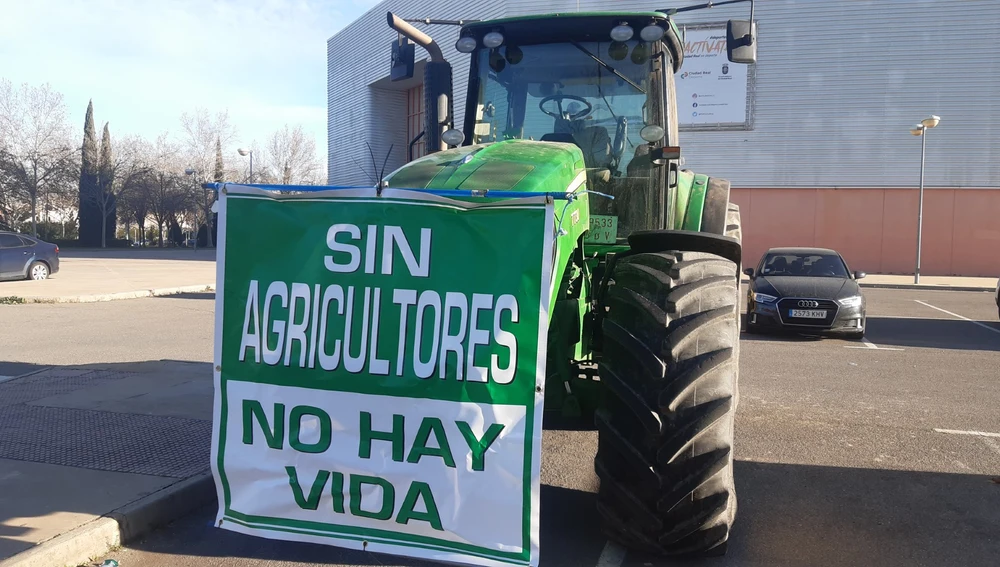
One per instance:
[(363, 170), (381, 173)]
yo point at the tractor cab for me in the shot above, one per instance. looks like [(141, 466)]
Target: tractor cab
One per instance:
[(597, 81)]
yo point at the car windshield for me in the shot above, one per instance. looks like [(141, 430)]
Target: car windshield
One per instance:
[(808, 265)]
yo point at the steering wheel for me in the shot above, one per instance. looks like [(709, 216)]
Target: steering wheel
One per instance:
[(562, 114)]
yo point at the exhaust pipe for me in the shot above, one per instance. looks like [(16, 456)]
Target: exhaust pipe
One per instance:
[(438, 106), (416, 36)]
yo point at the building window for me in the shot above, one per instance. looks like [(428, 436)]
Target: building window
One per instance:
[(415, 119)]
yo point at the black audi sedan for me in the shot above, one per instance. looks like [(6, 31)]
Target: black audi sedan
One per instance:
[(806, 290)]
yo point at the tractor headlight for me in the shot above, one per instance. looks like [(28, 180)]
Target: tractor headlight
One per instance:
[(621, 32), (466, 44), (854, 301), (493, 39), (764, 298), (652, 133), (651, 33), (453, 137)]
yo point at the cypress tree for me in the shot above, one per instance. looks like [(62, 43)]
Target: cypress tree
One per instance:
[(105, 197), (89, 221), (219, 177), (219, 174)]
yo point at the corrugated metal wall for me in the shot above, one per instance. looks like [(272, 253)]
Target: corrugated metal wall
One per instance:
[(363, 105), (838, 85)]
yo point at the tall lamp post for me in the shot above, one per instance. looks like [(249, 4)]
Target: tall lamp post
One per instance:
[(921, 130), (245, 152)]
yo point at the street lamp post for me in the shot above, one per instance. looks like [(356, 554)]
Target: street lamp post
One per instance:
[(921, 130), (244, 152)]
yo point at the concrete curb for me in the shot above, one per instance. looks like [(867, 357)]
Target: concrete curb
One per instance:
[(119, 527), (157, 292), (926, 287)]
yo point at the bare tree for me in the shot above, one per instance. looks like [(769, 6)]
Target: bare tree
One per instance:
[(291, 155), (204, 137), (165, 184), (35, 151)]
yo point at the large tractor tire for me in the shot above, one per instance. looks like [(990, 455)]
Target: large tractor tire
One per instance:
[(670, 369)]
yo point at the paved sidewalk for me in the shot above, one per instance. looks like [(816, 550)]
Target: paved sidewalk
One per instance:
[(103, 275), (99, 452), (954, 282), (926, 282)]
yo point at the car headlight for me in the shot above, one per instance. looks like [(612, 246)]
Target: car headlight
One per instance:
[(764, 298), (851, 301)]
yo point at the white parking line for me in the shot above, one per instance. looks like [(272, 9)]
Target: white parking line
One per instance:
[(872, 346), (612, 556), (992, 445), (977, 433), (957, 316)]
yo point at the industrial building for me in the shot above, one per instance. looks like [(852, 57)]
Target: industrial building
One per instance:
[(815, 137)]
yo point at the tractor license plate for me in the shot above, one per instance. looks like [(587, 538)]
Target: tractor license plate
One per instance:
[(603, 230), (807, 313)]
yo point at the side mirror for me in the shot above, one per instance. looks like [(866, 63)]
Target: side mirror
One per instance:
[(748, 271), (403, 57), (859, 274), (741, 41)]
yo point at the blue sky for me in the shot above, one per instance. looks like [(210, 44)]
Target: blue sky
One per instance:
[(144, 62)]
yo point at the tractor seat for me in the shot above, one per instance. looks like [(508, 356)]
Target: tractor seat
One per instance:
[(595, 142)]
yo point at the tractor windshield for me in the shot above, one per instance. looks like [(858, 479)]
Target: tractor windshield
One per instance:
[(595, 94)]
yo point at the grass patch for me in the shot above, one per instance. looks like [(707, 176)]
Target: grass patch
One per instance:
[(11, 300)]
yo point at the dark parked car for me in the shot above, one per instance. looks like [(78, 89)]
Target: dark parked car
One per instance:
[(807, 290), (26, 257)]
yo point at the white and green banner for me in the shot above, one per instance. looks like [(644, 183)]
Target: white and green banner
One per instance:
[(379, 366)]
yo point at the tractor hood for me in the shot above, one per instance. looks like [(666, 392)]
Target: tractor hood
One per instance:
[(510, 165)]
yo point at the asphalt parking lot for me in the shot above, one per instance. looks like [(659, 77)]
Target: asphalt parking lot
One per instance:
[(883, 452)]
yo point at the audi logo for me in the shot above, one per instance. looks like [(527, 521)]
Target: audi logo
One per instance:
[(806, 303)]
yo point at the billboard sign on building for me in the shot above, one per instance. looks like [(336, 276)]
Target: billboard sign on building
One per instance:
[(378, 383), (712, 93)]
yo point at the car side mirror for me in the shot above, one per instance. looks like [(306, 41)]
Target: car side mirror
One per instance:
[(859, 274), (748, 271), (741, 41)]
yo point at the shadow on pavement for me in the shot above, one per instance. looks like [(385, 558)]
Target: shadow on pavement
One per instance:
[(934, 333), (570, 537), (78, 442), (204, 295), (952, 334), (12, 369), (789, 515)]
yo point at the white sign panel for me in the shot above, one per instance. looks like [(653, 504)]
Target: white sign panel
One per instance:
[(711, 91)]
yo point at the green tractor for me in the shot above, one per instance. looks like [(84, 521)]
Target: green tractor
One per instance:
[(645, 318)]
